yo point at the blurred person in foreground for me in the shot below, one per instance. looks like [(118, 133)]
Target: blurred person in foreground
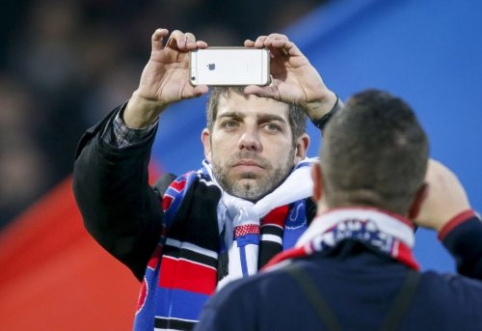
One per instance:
[(353, 269), (249, 201)]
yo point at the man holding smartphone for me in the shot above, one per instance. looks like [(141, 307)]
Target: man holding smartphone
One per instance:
[(249, 201)]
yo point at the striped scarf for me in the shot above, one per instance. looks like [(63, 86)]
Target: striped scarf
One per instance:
[(197, 259), (390, 234)]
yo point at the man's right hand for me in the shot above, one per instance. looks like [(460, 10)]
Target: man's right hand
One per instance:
[(446, 197), (294, 78), (165, 78)]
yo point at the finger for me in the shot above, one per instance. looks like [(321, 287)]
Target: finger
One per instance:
[(189, 92), (270, 91), (157, 39), (275, 40), (201, 44), (200, 90), (249, 43), (282, 46), (277, 36), (177, 40), (259, 42), (191, 43)]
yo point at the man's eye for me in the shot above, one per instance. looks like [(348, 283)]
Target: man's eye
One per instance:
[(272, 127), (230, 124)]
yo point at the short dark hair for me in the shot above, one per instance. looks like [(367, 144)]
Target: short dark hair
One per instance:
[(374, 153), (296, 115)]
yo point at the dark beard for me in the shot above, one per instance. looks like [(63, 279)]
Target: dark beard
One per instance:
[(249, 191)]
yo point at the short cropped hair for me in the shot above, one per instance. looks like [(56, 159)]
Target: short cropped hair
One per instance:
[(374, 153), (296, 115)]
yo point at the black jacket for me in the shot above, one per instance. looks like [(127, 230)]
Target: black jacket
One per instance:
[(119, 207)]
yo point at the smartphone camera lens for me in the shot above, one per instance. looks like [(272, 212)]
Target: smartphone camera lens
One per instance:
[(193, 78)]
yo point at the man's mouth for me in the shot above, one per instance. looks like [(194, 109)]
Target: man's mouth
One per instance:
[(248, 163)]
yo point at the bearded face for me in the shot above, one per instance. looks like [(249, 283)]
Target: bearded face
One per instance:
[(251, 145), (249, 176)]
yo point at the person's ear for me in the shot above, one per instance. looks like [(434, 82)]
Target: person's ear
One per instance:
[(302, 144), (420, 196), (316, 174), (206, 140)]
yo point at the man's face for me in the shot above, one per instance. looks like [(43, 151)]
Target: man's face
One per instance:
[(250, 147)]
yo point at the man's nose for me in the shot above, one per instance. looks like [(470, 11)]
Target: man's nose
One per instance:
[(250, 141)]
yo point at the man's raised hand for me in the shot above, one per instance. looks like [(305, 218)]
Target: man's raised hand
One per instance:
[(165, 78)]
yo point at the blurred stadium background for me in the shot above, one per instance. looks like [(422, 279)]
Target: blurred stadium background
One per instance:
[(65, 63)]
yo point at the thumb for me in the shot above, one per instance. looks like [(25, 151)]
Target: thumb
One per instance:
[(270, 91)]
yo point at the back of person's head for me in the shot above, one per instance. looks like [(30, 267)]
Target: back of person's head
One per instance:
[(374, 153), (297, 116)]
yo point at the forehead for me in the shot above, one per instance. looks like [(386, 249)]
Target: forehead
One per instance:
[(250, 105)]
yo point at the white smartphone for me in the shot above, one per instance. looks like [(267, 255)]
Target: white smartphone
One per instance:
[(229, 66)]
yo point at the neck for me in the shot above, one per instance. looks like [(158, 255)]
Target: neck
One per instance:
[(391, 223), (388, 233)]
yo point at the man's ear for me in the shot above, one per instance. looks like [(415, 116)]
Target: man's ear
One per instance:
[(206, 140), (302, 144), (418, 201), (316, 174)]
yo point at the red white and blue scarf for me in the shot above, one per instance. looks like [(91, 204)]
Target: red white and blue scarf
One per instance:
[(188, 266), (390, 234)]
